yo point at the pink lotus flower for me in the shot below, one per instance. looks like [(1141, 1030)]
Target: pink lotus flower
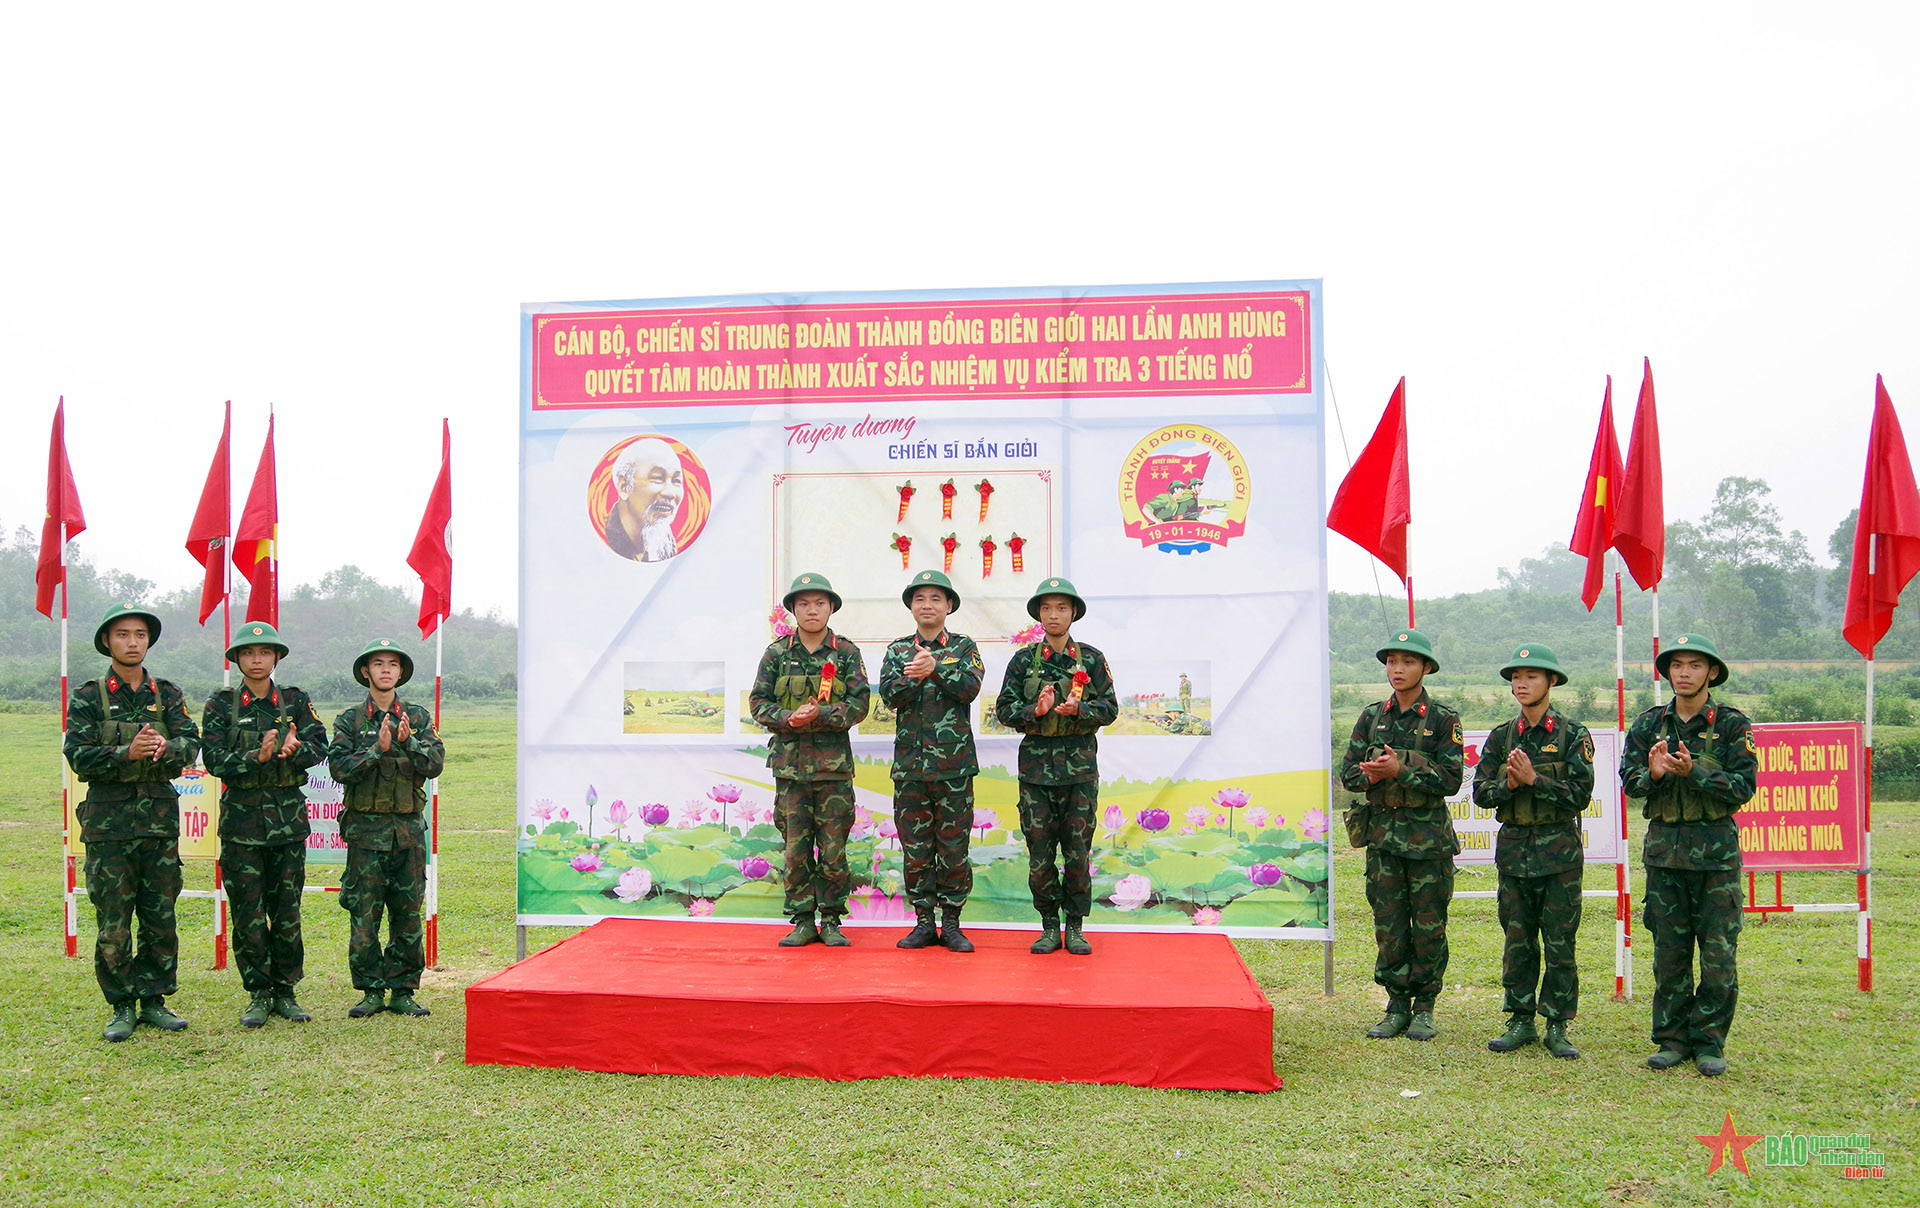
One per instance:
[(1155, 820), (755, 867), (654, 813), (985, 820), (1231, 799), (888, 828), (1113, 817), (1314, 823), (699, 908), (726, 794), (543, 810), (1132, 892), (1258, 817), (563, 813), (635, 883), (593, 797), (867, 902), (1029, 635), (1219, 819), (1206, 916), (1196, 815), (1264, 875), (618, 814), (865, 821), (587, 862), (1186, 830)]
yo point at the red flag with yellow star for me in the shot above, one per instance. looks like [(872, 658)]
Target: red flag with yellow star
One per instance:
[(1593, 529), (256, 540)]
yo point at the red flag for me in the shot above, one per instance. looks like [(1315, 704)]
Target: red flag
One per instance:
[(63, 507), (1639, 518), (1373, 505), (1593, 528), (432, 552), (256, 540), (1889, 510), (213, 524)]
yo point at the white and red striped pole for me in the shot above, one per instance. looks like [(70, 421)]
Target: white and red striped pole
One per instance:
[(433, 849), (1863, 879), (1623, 891), (71, 906)]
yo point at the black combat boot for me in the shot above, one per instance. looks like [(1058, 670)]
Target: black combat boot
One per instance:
[(1556, 1042), (1049, 940), (950, 934), (1421, 1028), (154, 1013), (803, 933), (923, 934), (287, 1007), (830, 933), (1395, 1022), (1077, 944)]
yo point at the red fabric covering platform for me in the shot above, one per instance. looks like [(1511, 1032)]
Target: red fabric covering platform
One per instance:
[(643, 996)]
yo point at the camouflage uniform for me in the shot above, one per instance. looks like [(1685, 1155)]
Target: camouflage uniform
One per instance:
[(1186, 695), (1059, 769), (1168, 507), (130, 822), (934, 764), (383, 821), (263, 826), (1410, 843), (1540, 856), (812, 766), (1692, 854)]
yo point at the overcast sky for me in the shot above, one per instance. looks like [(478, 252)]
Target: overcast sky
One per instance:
[(338, 210)]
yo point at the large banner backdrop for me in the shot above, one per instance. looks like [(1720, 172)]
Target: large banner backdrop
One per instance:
[(683, 460)]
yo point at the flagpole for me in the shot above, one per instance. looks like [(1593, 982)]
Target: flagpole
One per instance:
[(1656, 643), (433, 860), (1623, 891), (1863, 879), (1409, 532), (70, 907)]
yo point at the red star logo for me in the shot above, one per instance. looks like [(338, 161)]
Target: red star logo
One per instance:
[(1724, 1140)]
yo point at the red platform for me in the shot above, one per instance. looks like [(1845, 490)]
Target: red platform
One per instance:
[(647, 996)]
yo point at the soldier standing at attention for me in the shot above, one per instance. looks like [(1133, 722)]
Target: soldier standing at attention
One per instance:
[(384, 751), (1058, 692), (260, 739), (929, 679), (1186, 693), (1536, 774), (128, 735), (1693, 760), (1404, 754), (811, 688)]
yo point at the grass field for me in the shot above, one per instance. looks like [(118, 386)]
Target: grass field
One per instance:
[(383, 1111)]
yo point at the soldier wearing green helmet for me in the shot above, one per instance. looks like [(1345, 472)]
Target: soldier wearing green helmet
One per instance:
[(1693, 762), (383, 753), (1058, 692), (128, 735), (259, 739), (1404, 755), (1536, 774), (929, 679), (810, 689)]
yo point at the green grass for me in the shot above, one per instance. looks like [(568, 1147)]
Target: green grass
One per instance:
[(383, 1111)]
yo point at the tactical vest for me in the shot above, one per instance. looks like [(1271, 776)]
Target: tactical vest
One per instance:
[(276, 773), (1523, 808), (1052, 723), (793, 691), (122, 733), (390, 788), (1391, 794), (1683, 801)]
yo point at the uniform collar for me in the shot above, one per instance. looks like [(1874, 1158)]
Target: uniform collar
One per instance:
[(831, 642), (373, 710), (273, 694), (1418, 708), (1549, 722), (116, 684), (1705, 716), (939, 640), (1071, 653)]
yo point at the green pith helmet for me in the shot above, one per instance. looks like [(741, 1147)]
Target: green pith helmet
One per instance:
[(382, 646), (1410, 641), (1056, 587), (1693, 643), (125, 610), (931, 578), (256, 633), (1534, 655), (811, 582)]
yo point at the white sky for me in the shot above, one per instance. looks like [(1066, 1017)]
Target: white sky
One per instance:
[(338, 210)]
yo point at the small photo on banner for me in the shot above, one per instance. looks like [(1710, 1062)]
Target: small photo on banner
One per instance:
[(674, 698), (1164, 698)]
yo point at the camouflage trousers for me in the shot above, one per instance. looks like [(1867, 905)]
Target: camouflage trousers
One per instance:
[(263, 882), (935, 818), (1686, 910), (814, 817), (1410, 900), (1059, 816), (394, 882), (1541, 914), (129, 879)]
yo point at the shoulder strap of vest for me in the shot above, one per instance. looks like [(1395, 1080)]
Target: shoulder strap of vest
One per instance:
[(99, 687)]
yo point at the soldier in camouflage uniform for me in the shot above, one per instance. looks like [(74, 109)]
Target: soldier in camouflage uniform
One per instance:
[(1058, 692), (384, 751), (1693, 761), (810, 689), (929, 679), (260, 739), (1405, 755), (1181, 502), (1536, 774), (128, 735)]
